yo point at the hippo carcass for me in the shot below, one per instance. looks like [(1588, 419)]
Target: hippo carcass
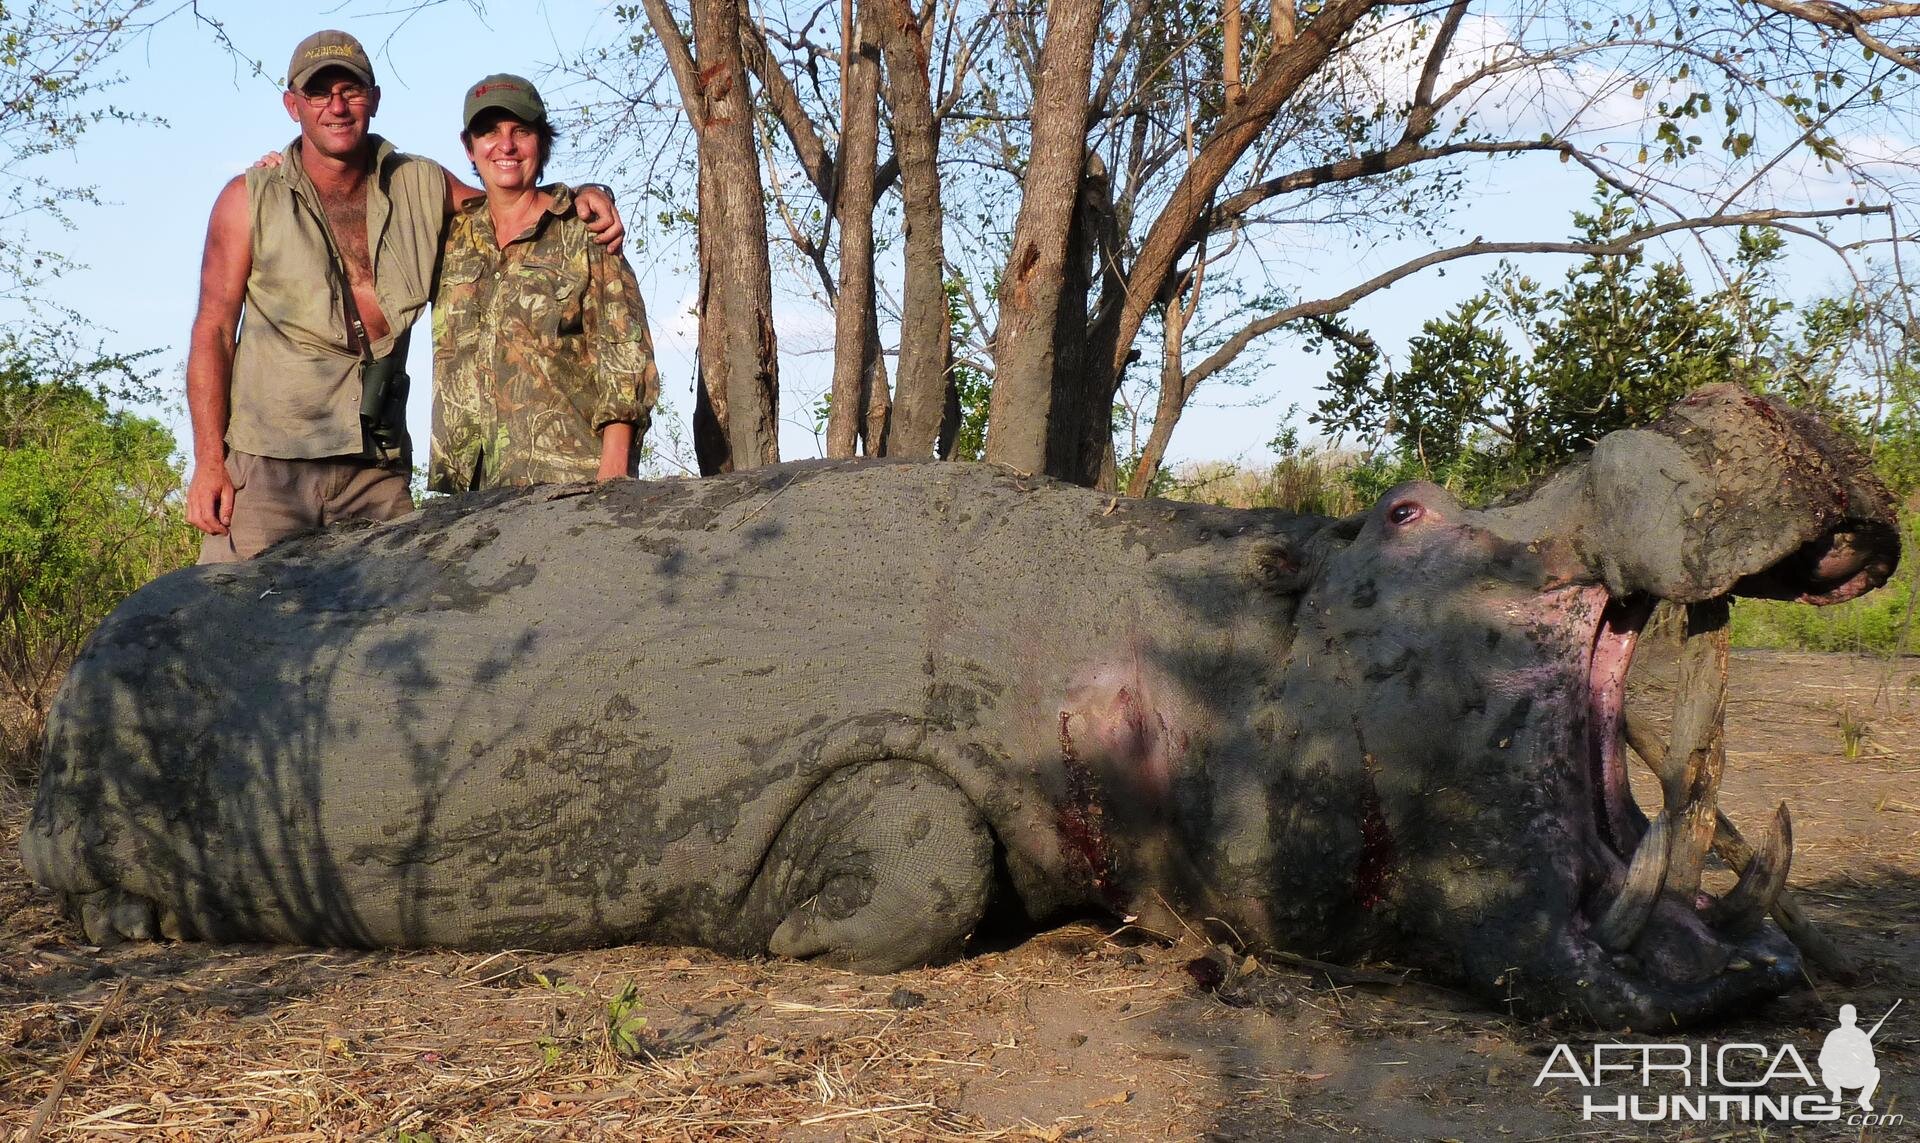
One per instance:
[(840, 709)]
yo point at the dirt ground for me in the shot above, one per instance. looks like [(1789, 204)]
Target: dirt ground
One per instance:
[(1073, 1034)]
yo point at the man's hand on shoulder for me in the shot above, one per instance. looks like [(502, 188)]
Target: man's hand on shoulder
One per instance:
[(594, 204)]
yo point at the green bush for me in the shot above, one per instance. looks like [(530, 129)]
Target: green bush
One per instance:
[(89, 511)]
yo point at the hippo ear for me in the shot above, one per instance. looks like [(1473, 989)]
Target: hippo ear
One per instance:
[(1281, 567)]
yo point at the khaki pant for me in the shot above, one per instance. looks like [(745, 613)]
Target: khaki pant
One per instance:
[(275, 498)]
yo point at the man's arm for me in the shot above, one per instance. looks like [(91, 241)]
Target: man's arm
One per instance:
[(459, 193), (223, 286), (593, 203)]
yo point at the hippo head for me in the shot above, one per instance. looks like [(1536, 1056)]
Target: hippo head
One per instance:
[(1469, 666)]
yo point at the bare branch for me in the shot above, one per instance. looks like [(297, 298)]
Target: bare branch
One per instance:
[(1852, 21), (800, 129), (1174, 230), (1403, 154), (1421, 120), (679, 60), (1325, 307)]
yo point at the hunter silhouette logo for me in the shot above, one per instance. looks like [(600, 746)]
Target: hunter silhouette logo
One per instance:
[(1846, 1058)]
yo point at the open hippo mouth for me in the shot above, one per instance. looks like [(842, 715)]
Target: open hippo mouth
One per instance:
[(1671, 951), (1729, 494)]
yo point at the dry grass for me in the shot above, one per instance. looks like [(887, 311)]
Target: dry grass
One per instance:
[(269, 1044), (1307, 482)]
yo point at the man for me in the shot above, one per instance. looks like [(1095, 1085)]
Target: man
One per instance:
[(299, 418)]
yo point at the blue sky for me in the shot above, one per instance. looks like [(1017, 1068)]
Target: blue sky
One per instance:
[(142, 250)]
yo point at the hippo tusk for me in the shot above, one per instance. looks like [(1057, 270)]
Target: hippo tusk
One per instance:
[(1733, 848), (1620, 926), (1698, 754), (1762, 882)]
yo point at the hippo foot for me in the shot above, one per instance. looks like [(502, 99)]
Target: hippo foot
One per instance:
[(114, 916), (885, 866)]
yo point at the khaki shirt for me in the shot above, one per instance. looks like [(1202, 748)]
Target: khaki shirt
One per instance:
[(296, 386), (536, 348)]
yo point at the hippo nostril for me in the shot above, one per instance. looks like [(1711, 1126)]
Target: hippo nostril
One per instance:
[(1406, 512)]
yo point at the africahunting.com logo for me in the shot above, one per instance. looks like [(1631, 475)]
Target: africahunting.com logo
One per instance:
[(1729, 1083)]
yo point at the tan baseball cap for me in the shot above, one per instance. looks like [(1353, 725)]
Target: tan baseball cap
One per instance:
[(326, 49), (510, 93)]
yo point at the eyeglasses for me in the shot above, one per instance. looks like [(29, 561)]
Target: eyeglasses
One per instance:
[(355, 94)]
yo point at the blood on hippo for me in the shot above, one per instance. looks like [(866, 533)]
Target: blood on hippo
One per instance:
[(1375, 871), (1081, 818), (1127, 725)]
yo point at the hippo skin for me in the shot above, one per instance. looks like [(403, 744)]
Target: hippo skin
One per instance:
[(843, 709)]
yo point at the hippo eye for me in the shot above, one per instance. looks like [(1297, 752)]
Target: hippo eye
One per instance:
[(1405, 512)]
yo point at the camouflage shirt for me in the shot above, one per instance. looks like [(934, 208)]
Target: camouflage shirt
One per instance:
[(536, 348)]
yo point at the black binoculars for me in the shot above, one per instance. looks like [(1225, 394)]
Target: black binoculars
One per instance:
[(383, 406)]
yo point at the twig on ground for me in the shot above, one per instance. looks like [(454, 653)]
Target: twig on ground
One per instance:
[(40, 1117)]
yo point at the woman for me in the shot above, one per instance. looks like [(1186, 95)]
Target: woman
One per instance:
[(542, 366)]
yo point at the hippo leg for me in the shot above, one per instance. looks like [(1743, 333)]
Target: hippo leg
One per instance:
[(110, 916), (885, 866)]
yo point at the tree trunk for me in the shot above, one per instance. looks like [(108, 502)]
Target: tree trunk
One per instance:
[(876, 428), (710, 449), (1173, 391), (739, 369), (1230, 50), (855, 338), (1081, 430), (921, 380), (1030, 291)]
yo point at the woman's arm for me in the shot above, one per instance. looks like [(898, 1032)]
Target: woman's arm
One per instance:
[(626, 381), (616, 451)]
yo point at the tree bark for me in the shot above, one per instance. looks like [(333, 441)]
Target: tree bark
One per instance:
[(1174, 390), (1283, 23), (736, 412), (1230, 50), (855, 338), (1080, 423), (921, 380), (1024, 350), (876, 426)]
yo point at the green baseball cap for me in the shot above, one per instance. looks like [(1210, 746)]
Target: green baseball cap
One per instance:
[(510, 93), (326, 49)]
